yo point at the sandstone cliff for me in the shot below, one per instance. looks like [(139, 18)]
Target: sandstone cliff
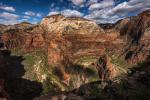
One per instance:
[(25, 37), (134, 39), (72, 39), (136, 33), (59, 24)]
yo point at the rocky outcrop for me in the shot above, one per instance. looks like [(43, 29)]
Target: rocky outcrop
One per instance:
[(20, 26), (23, 26), (25, 37), (106, 69), (136, 36), (118, 26), (137, 26), (59, 24), (2, 28)]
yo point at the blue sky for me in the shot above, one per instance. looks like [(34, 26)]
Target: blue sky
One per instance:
[(101, 11)]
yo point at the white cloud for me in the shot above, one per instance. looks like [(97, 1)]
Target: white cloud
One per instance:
[(29, 13), (78, 2), (107, 13), (100, 16), (90, 2), (39, 15), (131, 6), (8, 22), (26, 17), (71, 13), (101, 11), (8, 18), (67, 13), (6, 15), (7, 8), (102, 4), (22, 20)]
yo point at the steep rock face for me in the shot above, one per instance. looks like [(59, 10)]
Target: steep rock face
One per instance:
[(134, 32), (121, 24), (2, 28), (20, 26), (27, 39), (79, 34), (136, 27), (136, 36), (106, 69), (147, 31), (23, 25), (71, 39)]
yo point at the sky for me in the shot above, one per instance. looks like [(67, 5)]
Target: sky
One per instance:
[(100, 11)]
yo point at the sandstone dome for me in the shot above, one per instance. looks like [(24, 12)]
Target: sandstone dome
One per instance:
[(70, 25)]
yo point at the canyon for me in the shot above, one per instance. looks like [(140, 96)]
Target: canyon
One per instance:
[(69, 58)]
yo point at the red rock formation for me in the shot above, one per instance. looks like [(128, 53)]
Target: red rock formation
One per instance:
[(137, 36), (69, 39), (26, 40), (81, 37), (66, 39), (106, 70)]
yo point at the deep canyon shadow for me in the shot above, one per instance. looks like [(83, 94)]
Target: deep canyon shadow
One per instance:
[(17, 87)]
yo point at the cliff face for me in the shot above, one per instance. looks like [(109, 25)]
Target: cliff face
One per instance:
[(71, 39), (62, 33), (25, 37), (129, 38), (79, 34), (136, 35), (137, 26)]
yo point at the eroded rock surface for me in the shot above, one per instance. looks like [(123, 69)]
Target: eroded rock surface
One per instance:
[(75, 36), (106, 69), (136, 33), (28, 40)]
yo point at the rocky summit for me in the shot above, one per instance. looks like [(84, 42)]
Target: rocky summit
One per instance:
[(72, 58)]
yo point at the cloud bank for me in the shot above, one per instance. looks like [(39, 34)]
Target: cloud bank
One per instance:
[(7, 8), (8, 18), (100, 11), (105, 11), (67, 13)]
